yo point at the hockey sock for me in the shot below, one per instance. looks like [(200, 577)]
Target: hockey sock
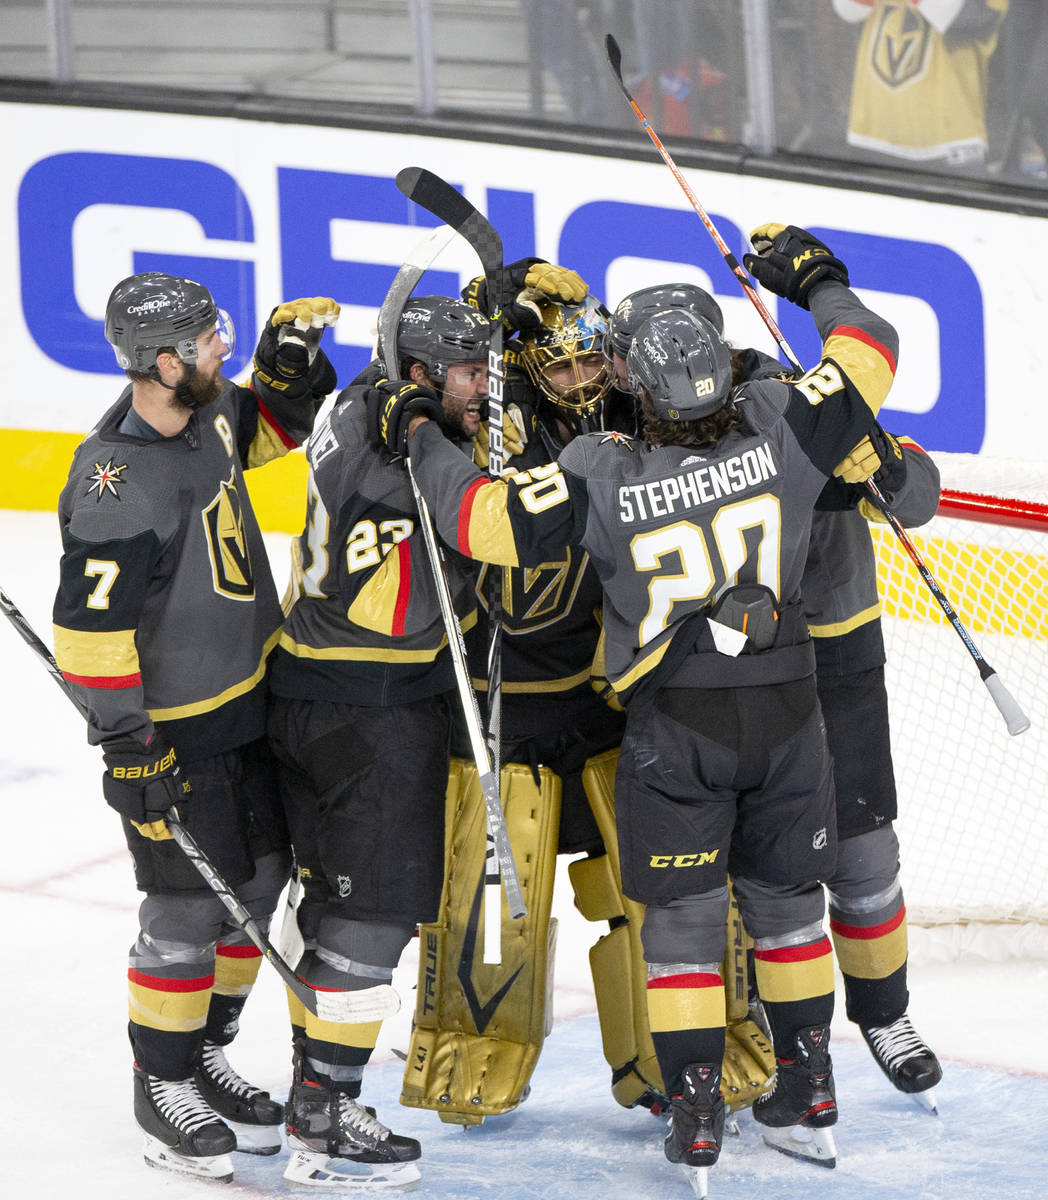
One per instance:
[(167, 1014), (872, 950), (236, 969), (796, 987), (687, 1015)]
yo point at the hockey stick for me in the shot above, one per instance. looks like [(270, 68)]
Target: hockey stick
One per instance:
[(369, 1004), (1016, 720), (435, 195), (498, 844)]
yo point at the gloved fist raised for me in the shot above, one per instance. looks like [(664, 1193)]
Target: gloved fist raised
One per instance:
[(514, 437), (142, 782), (390, 407), (789, 261), (287, 356), (523, 287), (878, 455)]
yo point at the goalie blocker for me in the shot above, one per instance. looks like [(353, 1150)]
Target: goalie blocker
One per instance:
[(479, 1028)]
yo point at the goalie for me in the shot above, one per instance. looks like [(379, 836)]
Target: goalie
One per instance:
[(479, 1027)]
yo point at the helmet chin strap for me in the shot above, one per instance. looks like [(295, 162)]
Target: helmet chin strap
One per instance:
[(183, 392)]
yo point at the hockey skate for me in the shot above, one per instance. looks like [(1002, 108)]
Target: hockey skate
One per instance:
[(696, 1124), (339, 1145), (800, 1108), (905, 1059), (182, 1133), (247, 1110)]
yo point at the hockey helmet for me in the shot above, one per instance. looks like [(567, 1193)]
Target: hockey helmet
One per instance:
[(152, 311), (439, 332), (570, 336), (638, 306), (679, 359)]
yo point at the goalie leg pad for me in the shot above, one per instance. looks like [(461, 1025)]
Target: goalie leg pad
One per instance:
[(479, 1027), (620, 973)]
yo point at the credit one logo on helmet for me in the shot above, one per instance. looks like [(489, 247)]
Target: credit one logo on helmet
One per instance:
[(305, 258)]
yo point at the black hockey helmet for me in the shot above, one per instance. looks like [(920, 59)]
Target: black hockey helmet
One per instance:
[(568, 333), (638, 306), (439, 332), (152, 311), (679, 359)]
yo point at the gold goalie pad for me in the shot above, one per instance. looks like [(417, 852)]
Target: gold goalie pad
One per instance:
[(479, 1027), (620, 973)]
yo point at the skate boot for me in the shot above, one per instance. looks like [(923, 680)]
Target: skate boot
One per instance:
[(246, 1109), (800, 1108), (696, 1123), (182, 1133), (338, 1144), (905, 1059)]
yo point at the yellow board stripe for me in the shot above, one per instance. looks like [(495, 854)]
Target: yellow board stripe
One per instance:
[(92, 655)]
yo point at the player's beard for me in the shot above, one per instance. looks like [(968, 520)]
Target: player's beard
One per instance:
[(197, 391)]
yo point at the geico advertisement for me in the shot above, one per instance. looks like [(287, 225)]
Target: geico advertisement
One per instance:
[(261, 212)]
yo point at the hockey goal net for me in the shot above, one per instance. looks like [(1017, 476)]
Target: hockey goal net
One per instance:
[(973, 800)]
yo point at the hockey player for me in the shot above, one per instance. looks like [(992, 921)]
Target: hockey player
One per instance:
[(164, 619), (842, 608), (360, 724), (698, 535)]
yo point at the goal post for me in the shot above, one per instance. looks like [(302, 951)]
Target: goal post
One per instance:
[(973, 801)]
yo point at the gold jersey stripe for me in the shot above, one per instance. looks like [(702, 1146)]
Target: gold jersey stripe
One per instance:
[(641, 668), (864, 363), (378, 605), (564, 684), (179, 711), (92, 655), (836, 628), (485, 531)]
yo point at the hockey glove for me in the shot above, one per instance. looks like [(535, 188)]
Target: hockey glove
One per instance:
[(879, 455), (524, 286), (789, 261), (288, 358), (390, 407), (142, 783), (514, 437)]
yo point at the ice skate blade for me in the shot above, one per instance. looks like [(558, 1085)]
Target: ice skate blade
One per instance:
[(699, 1178), (311, 1169), (216, 1167), (926, 1100), (256, 1139), (809, 1145)]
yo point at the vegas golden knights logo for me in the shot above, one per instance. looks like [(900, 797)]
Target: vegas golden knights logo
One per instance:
[(534, 597), (227, 544), (900, 46)]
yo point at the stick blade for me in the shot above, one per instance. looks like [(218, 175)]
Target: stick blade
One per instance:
[(614, 55), (448, 204)]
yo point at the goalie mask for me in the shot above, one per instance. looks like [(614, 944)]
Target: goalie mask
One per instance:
[(563, 359), (438, 333), (151, 312), (638, 306), (679, 359)]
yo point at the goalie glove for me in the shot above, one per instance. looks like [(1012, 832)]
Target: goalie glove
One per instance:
[(524, 287), (287, 357), (790, 262), (514, 437)]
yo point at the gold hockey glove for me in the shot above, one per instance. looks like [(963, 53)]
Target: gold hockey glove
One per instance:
[(789, 261), (514, 437)]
